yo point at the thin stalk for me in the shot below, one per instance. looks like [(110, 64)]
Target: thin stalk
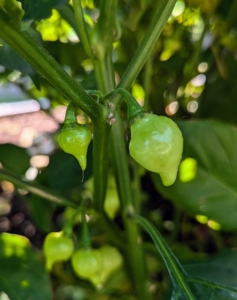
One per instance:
[(69, 224), (47, 66), (83, 34), (36, 189), (100, 161), (100, 166), (146, 46), (147, 81), (137, 191), (85, 235)]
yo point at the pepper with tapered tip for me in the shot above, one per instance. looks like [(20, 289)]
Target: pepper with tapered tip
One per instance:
[(74, 138), (157, 144)]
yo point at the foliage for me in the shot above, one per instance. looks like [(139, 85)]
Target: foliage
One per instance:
[(178, 60)]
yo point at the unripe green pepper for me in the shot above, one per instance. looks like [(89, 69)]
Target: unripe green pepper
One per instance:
[(157, 144), (112, 260), (74, 138), (86, 262), (111, 203), (57, 247)]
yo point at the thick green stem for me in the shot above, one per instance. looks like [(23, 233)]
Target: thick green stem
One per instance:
[(47, 66), (103, 69), (107, 23), (36, 189), (134, 247), (106, 83), (135, 256), (82, 30)]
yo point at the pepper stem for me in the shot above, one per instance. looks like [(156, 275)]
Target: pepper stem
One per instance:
[(134, 109), (86, 243), (70, 116), (68, 226)]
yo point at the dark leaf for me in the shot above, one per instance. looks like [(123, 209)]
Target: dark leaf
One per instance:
[(14, 158), (41, 212), (38, 9), (220, 268), (11, 60), (64, 173)]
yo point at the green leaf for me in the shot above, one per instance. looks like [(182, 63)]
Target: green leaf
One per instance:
[(204, 289), (38, 9), (209, 188), (10, 59), (22, 274), (185, 287), (41, 212), (220, 267), (14, 158), (219, 99)]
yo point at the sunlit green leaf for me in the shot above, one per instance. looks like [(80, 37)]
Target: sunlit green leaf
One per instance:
[(22, 274)]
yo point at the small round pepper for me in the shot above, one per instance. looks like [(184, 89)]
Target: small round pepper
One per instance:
[(86, 262), (57, 247)]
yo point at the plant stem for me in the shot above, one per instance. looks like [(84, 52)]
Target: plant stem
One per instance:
[(136, 185), (36, 189), (106, 24), (135, 255), (47, 66), (147, 81), (105, 81), (100, 163), (133, 107), (176, 271), (135, 247), (100, 166), (83, 34)]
